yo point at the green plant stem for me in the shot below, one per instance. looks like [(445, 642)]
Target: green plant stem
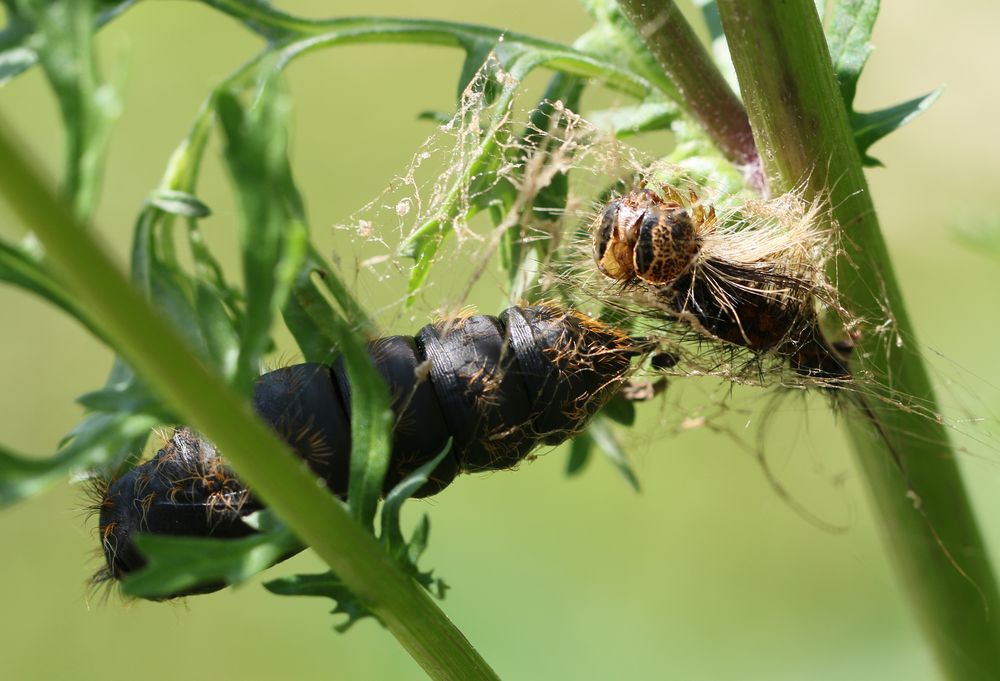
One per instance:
[(703, 89), (293, 35), (158, 354), (801, 127)]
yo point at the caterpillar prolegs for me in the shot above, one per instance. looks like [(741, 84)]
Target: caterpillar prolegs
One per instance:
[(498, 387)]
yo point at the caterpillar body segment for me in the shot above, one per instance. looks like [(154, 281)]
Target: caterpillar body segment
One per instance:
[(498, 387), (760, 323)]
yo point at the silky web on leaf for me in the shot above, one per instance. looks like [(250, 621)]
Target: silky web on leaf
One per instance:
[(486, 179)]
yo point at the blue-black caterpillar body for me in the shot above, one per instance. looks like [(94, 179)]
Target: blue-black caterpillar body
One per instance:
[(498, 387)]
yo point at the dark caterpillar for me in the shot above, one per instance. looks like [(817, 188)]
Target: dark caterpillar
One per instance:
[(498, 386), (756, 295)]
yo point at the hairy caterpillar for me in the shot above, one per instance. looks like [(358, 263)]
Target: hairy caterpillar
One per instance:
[(755, 289), (498, 386)]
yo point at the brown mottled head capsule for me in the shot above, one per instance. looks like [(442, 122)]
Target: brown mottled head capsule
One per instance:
[(642, 235)]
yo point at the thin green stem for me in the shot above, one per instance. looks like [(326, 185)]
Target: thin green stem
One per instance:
[(294, 35), (703, 89), (153, 348), (801, 127)]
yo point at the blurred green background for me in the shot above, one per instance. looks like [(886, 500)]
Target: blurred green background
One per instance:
[(707, 574)]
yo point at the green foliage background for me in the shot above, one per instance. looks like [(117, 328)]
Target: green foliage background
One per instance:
[(706, 574)]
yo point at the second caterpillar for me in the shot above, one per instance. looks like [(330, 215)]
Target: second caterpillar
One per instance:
[(755, 286)]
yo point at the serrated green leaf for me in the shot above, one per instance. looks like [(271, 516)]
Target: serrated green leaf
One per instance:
[(27, 270), (418, 543), (518, 53), (620, 410), (392, 533), (63, 36), (848, 36), (407, 553), (327, 585), (311, 320), (272, 226), (221, 337), (182, 563), (418, 540), (17, 49), (129, 397), (614, 38), (627, 121), (477, 53), (605, 439), (170, 292), (872, 126), (15, 60), (438, 117), (98, 440)]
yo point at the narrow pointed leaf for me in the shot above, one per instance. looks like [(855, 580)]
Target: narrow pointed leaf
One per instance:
[(180, 563), (605, 439), (848, 36), (872, 126), (98, 440)]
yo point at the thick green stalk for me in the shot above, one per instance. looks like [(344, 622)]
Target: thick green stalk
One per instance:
[(801, 127), (705, 92), (157, 353)]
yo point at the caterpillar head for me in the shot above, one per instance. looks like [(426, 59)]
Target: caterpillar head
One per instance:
[(185, 490), (644, 236)]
